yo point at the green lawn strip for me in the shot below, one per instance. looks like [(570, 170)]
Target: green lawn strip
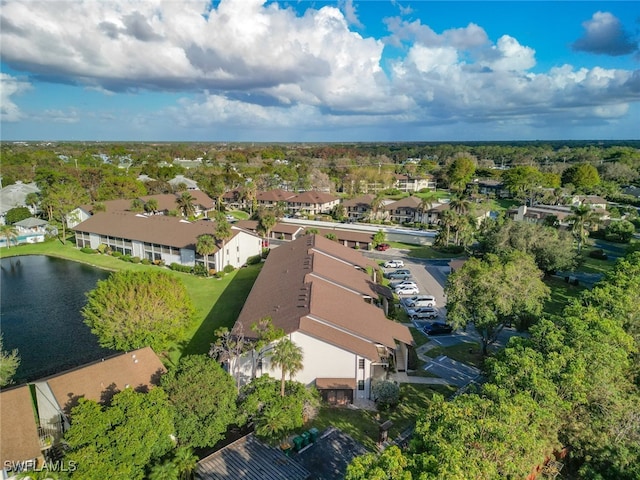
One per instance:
[(418, 337), (361, 425), (414, 398), (561, 295), (424, 251), (469, 353), (594, 265)]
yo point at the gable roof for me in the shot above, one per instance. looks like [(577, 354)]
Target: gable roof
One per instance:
[(362, 201), (313, 197), (279, 227), (14, 195), (31, 222), (299, 291), (19, 433), (160, 229), (407, 202), (250, 459), (138, 369), (276, 195)]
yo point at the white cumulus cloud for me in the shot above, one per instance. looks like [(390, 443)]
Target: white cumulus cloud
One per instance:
[(9, 87)]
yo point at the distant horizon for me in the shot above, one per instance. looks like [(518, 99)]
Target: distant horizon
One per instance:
[(328, 71)]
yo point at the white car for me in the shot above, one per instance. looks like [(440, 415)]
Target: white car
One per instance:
[(403, 283), (423, 312), (393, 264), (407, 290), (419, 301)]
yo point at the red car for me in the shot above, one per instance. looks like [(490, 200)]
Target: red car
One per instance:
[(383, 246)]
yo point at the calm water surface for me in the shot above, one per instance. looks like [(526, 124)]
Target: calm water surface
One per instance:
[(40, 303)]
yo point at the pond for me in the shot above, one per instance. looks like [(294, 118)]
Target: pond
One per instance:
[(41, 299)]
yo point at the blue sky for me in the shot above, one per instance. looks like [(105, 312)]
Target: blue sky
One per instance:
[(348, 70)]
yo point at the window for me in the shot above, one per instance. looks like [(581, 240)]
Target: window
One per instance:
[(361, 364), (360, 384)]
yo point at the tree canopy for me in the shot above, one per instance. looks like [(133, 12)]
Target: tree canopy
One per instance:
[(204, 397), (122, 439), (133, 309), (9, 362), (494, 290)]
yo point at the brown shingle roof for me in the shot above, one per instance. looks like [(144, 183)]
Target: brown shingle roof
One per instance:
[(336, 383), (139, 369), (160, 229), (407, 202), (295, 296), (252, 225), (275, 195), (19, 432), (313, 197)]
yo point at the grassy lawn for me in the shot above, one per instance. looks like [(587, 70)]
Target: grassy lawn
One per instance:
[(362, 425), (217, 301), (424, 251), (561, 295), (594, 265), (469, 353)]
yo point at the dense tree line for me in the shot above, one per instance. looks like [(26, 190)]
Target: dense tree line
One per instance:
[(572, 385)]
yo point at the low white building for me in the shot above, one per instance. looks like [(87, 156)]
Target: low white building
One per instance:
[(326, 299)]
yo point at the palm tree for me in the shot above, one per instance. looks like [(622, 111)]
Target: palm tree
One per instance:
[(249, 192), (460, 204), (426, 203), (185, 204), (266, 222), (137, 205), (164, 471), (447, 220), (376, 205), (186, 462), (288, 356), (151, 206), (581, 220), (9, 233), (222, 233), (205, 246)]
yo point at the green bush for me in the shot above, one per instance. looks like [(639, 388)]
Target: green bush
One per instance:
[(126, 258), (385, 393), (135, 260), (220, 274), (229, 269), (181, 268), (145, 261), (201, 270), (116, 254), (88, 250), (254, 260)]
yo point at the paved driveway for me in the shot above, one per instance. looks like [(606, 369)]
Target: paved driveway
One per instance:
[(455, 373)]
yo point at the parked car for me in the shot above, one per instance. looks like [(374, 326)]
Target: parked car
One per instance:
[(420, 301), (407, 290), (437, 328), (422, 312), (404, 283), (393, 264), (383, 246), (401, 274)]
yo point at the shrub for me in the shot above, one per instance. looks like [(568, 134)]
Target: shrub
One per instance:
[(412, 363), (135, 260), (254, 260), (220, 274), (88, 250), (181, 268), (229, 269), (386, 394), (102, 248), (125, 258), (200, 270), (145, 261), (116, 254), (265, 252)]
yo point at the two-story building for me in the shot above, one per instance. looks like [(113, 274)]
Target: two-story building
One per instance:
[(326, 299)]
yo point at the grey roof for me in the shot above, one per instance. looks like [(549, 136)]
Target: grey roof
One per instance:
[(31, 222), (250, 459), (14, 195)]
